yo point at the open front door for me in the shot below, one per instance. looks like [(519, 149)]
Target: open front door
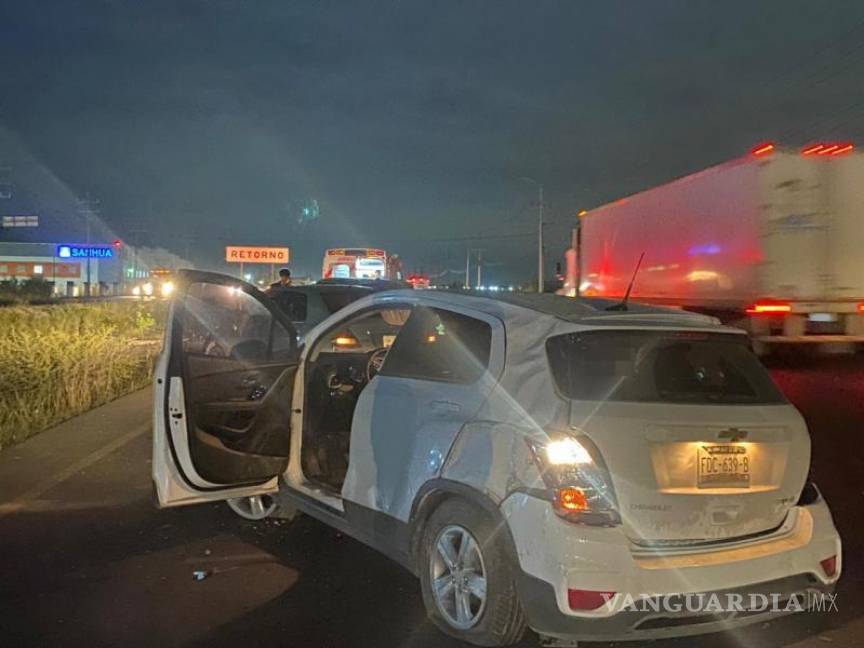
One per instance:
[(223, 392)]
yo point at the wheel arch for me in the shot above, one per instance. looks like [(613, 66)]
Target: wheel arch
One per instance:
[(434, 493)]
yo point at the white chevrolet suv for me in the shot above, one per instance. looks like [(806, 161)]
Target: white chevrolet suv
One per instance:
[(537, 461)]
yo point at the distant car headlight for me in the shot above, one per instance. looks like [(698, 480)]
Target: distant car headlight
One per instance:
[(167, 288), (136, 291), (147, 289)]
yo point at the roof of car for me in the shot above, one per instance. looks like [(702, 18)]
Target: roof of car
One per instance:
[(587, 310), (369, 284)]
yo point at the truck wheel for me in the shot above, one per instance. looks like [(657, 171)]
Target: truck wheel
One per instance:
[(467, 577)]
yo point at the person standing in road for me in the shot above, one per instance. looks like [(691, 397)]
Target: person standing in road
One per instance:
[(284, 280)]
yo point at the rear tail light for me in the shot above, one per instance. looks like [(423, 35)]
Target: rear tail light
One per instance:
[(345, 340), (577, 480), (861, 307), (587, 599), (770, 308), (829, 566)]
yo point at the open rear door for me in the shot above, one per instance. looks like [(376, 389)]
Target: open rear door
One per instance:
[(223, 392)]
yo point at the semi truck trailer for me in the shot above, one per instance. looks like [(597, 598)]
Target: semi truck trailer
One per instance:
[(772, 242)]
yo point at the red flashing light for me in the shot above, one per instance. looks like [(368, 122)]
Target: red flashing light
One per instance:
[(844, 148), (587, 599), (828, 149), (770, 308), (763, 149), (118, 244), (829, 566)]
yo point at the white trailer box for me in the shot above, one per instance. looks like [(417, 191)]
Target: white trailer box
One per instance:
[(773, 242)]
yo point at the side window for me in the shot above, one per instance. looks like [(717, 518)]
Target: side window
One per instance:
[(224, 321), (440, 345)]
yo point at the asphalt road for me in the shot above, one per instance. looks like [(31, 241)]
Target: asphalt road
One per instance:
[(86, 559)]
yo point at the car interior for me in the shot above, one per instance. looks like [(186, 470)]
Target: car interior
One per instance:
[(338, 368)]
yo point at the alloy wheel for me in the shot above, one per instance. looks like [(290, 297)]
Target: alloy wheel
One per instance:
[(458, 577)]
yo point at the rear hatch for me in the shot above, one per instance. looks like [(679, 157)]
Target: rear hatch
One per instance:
[(699, 442)]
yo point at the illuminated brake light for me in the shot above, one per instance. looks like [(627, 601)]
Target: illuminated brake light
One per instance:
[(829, 566), (769, 308), (861, 307), (587, 599), (763, 149)]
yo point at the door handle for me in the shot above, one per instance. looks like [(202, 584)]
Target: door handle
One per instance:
[(446, 407)]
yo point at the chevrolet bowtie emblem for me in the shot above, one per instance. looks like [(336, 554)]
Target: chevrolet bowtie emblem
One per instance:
[(732, 434)]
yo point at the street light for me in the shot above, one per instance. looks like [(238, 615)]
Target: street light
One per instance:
[(539, 231)]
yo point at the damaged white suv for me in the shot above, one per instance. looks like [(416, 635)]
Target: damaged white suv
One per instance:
[(537, 461)]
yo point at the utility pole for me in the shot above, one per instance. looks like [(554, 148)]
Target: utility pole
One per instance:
[(479, 268), (540, 259), (87, 209), (467, 268)]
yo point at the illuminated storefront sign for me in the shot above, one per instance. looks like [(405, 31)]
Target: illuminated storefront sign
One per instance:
[(85, 251)]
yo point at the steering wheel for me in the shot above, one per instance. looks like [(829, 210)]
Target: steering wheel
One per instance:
[(376, 360)]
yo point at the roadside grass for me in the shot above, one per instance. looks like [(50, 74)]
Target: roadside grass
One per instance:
[(59, 361)]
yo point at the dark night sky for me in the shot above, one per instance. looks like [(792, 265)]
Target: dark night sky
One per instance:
[(409, 121)]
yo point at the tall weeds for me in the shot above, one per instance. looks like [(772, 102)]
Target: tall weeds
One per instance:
[(59, 361)]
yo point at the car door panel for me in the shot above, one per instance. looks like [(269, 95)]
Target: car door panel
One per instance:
[(224, 391), (404, 426)]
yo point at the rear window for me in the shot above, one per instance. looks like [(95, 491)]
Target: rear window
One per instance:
[(336, 300), (293, 304), (659, 367)]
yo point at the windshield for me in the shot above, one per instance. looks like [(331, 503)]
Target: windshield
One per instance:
[(659, 366)]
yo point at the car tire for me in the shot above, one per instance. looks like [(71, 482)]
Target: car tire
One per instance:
[(498, 619)]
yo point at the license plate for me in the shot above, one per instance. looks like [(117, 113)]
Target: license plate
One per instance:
[(822, 317), (722, 466)]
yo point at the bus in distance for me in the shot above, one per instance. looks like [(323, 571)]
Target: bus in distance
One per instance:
[(361, 263)]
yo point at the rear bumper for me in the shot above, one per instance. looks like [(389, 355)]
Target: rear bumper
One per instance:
[(665, 593), (673, 619)]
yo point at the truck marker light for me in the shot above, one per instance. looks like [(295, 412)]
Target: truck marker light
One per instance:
[(812, 150), (587, 599), (844, 148), (829, 566), (829, 149), (763, 149)]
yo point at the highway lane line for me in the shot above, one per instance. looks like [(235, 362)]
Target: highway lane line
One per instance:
[(47, 484)]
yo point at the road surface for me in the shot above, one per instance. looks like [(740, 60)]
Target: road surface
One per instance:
[(86, 559)]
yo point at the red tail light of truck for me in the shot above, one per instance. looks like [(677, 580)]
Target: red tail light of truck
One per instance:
[(770, 308)]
